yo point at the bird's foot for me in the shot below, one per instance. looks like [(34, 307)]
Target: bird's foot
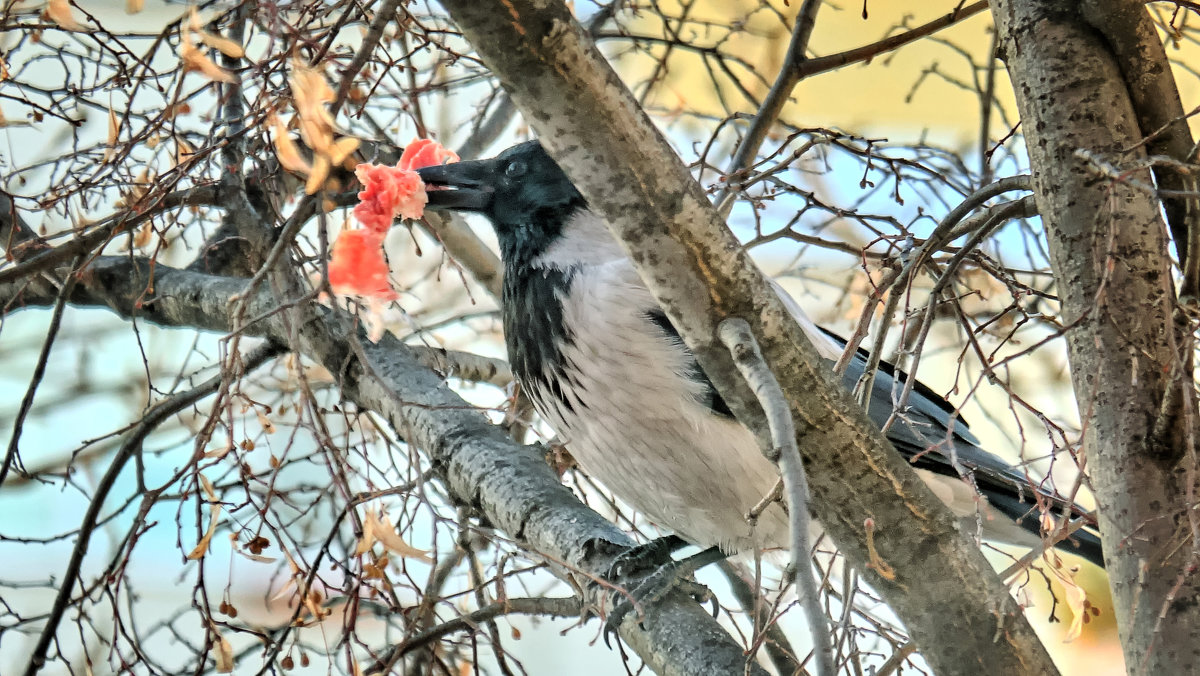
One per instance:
[(653, 586), (645, 558)]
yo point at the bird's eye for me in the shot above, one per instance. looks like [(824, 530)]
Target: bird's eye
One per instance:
[(515, 169)]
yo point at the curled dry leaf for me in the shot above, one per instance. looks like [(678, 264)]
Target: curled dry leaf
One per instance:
[(320, 172), (1076, 597), (144, 234), (378, 527), (222, 652), (342, 149), (220, 451), (202, 547), (59, 11), (286, 149), (267, 425), (368, 536), (114, 128), (221, 44), (183, 151), (195, 60), (311, 95), (208, 488), (257, 557)]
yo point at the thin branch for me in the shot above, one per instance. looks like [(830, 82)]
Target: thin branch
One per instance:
[(997, 216), (383, 17), (867, 52), (12, 455), (132, 445), (773, 104), (947, 230), (780, 447), (102, 233), (550, 607)]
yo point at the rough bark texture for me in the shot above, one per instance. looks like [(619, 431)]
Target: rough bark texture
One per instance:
[(1130, 34), (510, 485), (1108, 249), (589, 122)]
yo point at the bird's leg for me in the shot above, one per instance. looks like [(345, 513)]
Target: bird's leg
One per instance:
[(649, 556), (656, 584)]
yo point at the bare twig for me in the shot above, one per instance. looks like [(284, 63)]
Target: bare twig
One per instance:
[(779, 444), (129, 448), (551, 607), (773, 104)]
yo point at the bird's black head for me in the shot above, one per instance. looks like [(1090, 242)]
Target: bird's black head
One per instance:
[(522, 191)]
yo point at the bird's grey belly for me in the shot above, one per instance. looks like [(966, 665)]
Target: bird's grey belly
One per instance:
[(629, 419)]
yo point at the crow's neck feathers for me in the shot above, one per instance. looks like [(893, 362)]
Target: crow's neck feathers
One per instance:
[(583, 239)]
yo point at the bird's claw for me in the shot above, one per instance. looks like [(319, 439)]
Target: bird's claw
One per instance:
[(650, 589), (645, 558)]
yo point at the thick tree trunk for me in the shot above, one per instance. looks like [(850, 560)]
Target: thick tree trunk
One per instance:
[(1108, 248)]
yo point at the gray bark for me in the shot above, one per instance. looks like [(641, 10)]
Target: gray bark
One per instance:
[(1108, 248), (592, 125)]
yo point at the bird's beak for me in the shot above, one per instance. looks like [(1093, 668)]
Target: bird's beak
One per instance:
[(459, 186)]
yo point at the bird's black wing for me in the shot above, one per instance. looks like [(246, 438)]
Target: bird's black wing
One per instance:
[(931, 436), (711, 398)]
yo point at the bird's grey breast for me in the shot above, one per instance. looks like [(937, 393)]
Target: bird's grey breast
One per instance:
[(607, 372)]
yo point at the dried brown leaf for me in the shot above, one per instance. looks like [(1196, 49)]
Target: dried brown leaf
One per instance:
[(208, 488), (219, 452), (320, 172), (114, 127), (221, 44), (267, 425), (202, 547), (286, 149), (222, 652), (144, 234), (258, 557), (342, 149), (1076, 597), (183, 151), (385, 532), (196, 60), (59, 11), (368, 536)]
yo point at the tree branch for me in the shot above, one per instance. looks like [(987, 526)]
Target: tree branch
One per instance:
[(129, 448), (779, 444)]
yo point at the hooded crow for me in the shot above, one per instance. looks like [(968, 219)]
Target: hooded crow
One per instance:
[(608, 372)]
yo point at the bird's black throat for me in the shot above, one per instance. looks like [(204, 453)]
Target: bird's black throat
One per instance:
[(535, 331)]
